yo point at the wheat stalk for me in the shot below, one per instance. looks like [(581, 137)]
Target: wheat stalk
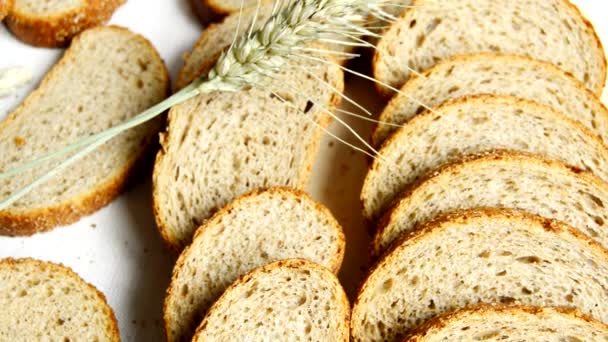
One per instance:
[(246, 63)]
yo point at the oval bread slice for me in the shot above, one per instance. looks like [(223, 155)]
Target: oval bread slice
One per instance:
[(507, 180), (290, 300), (473, 125), (480, 256), (55, 23), (511, 324), (487, 73), (5, 7), (42, 301), (254, 230), (107, 76), (550, 30), (221, 145)]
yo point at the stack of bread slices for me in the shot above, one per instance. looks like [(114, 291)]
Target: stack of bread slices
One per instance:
[(490, 202)]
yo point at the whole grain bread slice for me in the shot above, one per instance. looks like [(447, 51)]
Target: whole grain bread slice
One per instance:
[(289, 300), (510, 324), (480, 256), (42, 301), (108, 75), (507, 180), (221, 145), (473, 125), (551, 30), (5, 7), (254, 230), (488, 73), (55, 23)]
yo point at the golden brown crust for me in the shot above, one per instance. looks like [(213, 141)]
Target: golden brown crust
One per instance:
[(218, 216), (206, 12), (415, 81), (43, 219), (67, 272), (398, 135), (479, 310), (482, 158), (58, 30), (387, 93), (462, 216), (293, 264), (5, 7)]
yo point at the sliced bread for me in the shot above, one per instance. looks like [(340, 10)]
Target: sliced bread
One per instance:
[(290, 300), (5, 7), (546, 188), (214, 10), (55, 23), (473, 125), (511, 324), (482, 256), (254, 230), (488, 73), (221, 145), (550, 30), (108, 75), (42, 301)]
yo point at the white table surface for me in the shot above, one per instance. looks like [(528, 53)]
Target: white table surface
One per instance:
[(118, 249)]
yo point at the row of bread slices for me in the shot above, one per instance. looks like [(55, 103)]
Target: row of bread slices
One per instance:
[(263, 268), (493, 191)]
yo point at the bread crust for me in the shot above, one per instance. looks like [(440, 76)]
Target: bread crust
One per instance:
[(439, 322), (397, 135), (206, 11), (5, 7), (58, 30), (392, 214), (336, 262), (292, 264), (67, 272), (25, 223), (461, 216), (416, 80), (387, 93)]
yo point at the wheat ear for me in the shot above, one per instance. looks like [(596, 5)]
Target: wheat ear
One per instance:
[(260, 52)]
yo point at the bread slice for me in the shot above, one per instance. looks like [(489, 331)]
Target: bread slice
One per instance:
[(254, 230), (508, 180), (42, 301), (55, 23), (5, 7), (510, 324), (487, 73), (213, 10), (108, 75), (473, 125), (551, 30), (221, 145), (480, 256), (290, 300)]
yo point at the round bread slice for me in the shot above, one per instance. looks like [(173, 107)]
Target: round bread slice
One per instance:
[(5, 7), (254, 230), (549, 30), (480, 256), (221, 145), (55, 23), (290, 300), (507, 180), (511, 324), (42, 301), (107, 75), (473, 125), (488, 73)]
